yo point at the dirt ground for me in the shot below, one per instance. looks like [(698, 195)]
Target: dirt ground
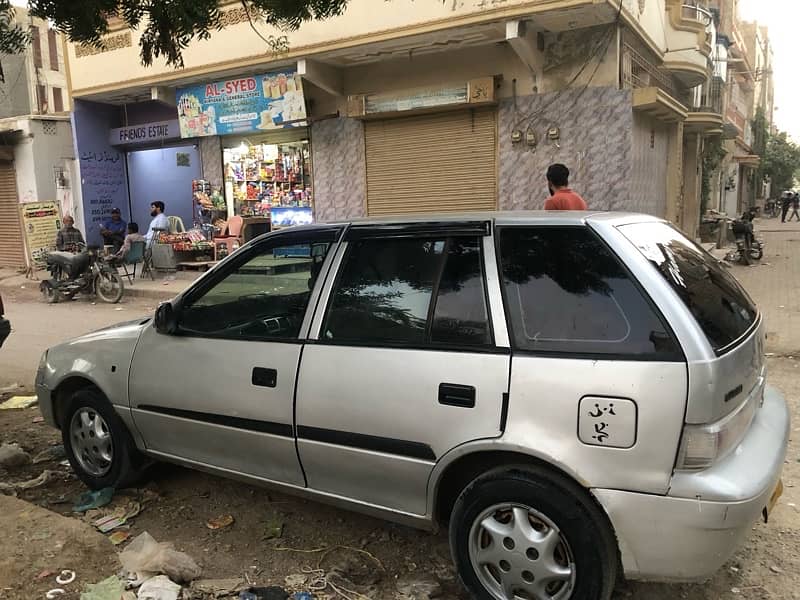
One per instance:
[(178, 502)]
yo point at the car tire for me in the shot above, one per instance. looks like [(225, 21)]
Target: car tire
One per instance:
[(525, 527), (99, 446)]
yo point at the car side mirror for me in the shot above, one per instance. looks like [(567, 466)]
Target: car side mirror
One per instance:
[(166, 320)]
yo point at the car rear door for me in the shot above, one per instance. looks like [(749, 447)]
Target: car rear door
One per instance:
[(220, 392), (403, 363)]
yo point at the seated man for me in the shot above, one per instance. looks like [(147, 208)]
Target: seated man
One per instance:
[(113, 230), (133, 236), (69, 239)]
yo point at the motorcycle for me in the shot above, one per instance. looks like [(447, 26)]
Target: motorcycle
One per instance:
[(772, 209), (84, 271), (748, 246)]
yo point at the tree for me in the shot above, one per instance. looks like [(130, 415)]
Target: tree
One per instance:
[(781, 161), (168, 26)]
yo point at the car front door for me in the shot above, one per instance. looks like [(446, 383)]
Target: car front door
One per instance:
[(403, 364), (220, 390)]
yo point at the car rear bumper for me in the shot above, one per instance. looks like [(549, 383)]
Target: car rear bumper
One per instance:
[(5, 329), (689, 538)]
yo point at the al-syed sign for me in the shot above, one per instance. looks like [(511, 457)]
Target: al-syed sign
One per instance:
[(241, 105)]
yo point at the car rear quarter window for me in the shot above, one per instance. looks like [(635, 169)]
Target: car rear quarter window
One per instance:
[(719, 304), (567, 293), (410, 291)]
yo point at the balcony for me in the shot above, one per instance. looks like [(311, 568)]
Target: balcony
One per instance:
[(653, 91), (689, 41), (706, 108)]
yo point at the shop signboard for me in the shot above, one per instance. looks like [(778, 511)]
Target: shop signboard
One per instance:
[(146, 133), (242, 105), (41, 222), (475, 91)]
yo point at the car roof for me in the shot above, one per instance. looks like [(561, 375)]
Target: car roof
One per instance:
[(515, 217)]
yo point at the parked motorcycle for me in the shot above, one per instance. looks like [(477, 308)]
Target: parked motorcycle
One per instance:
[(84, 271), (748, 246)]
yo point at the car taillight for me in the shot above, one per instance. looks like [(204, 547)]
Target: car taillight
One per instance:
[(704, 445)]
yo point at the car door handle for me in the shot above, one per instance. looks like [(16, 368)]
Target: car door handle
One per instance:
[(265, 377), (453, 394)]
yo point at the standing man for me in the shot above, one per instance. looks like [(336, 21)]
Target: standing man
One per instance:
[(68, 238), (113, 230), (786, 202), (561, 197), (795, 205), (160, 220)]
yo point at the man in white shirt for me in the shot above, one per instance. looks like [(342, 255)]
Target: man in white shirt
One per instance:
[(160, 220)]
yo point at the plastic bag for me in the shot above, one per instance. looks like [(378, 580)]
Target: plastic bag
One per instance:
[(108, 589), (145, 555), (159, 588)]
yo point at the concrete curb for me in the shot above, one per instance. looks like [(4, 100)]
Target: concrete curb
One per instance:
[(131, 291), (12, 284)]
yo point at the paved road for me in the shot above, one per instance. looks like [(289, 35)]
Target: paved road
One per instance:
[(37, 325)]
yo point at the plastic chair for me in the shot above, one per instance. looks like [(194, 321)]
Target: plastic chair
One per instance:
[(176, 225), (147, 265), (231, 239), (134, 256)]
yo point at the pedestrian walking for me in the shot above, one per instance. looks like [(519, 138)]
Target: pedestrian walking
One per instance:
[(561, 197), (795, 207), (786, 202)]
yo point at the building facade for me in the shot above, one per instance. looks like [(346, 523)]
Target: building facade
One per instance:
[(407, 107), (36, 148), (745, 67)]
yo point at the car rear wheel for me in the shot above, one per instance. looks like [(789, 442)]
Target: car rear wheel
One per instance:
[(529, 534), (99, 446)]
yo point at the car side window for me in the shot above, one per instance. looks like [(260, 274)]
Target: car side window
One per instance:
[(567, 293), (265, 296), (417, 292)]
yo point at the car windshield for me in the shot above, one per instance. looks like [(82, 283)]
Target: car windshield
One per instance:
[(719, 304)]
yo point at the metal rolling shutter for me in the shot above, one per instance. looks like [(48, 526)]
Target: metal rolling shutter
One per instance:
[(12, 246), (432, 163)]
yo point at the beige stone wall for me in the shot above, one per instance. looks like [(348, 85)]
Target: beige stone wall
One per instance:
[(237, 45)]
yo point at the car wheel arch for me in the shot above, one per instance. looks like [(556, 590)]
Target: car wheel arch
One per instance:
[(64, 391), (466, 468)]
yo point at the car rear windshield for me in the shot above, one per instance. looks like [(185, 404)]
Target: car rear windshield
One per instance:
[(720, 305)]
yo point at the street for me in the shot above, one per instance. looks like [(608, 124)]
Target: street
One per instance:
[(274, 536)]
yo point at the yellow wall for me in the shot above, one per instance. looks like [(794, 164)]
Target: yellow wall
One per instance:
[(238, 46)]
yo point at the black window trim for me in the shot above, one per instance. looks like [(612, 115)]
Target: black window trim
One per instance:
[(332, 235), (516, 350), (490, 348), (480, 228)]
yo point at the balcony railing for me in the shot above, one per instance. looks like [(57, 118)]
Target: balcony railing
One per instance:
[(710, 97), (639, 72), (696, 11)]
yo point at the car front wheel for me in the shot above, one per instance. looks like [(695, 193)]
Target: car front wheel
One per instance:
[(98, 444), (530, 534)]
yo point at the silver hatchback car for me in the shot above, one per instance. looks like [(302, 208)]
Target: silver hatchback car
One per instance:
[(577, 395)]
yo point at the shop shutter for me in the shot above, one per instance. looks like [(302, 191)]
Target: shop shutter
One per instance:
[(432, 163), (12, 246)]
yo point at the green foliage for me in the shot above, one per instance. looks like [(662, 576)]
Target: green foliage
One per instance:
[(713, 153), (168, 26), (13, 38), (780, 162)]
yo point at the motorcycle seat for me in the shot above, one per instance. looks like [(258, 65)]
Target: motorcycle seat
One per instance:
[(74, 263)]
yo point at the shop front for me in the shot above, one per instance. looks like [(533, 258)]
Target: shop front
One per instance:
[(430, 149), (266, 178)]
